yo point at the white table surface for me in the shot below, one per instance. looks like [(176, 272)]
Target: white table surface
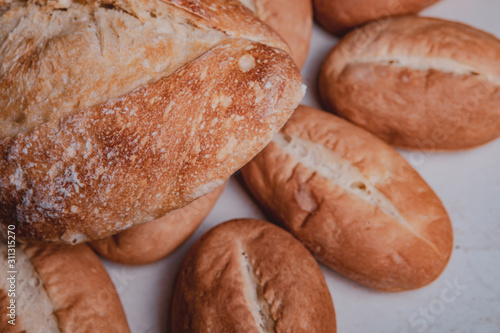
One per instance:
[(467, 182)]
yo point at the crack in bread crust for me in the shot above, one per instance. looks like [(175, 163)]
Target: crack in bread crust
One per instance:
[(421, 63), (341, 172), (257, 304), (337, 170), (118, 49), (255, 277)]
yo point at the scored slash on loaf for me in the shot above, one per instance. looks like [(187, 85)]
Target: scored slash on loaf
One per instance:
[(417, 82), (251, 276), (353, 201)]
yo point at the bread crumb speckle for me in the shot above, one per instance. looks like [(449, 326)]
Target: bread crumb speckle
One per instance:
[(246, 63)]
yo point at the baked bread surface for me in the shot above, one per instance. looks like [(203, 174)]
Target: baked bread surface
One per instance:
[(292, 19), (417, 82), (152, 241), (353, 201), (116, 113), (339, 16), (250, 276), (61, 289)]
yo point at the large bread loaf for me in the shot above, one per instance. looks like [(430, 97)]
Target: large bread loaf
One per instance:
[(114, 113)]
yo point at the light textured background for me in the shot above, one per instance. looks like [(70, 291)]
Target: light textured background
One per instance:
[(467, 182)]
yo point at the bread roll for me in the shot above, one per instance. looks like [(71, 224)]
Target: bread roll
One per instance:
[(292, 19), (115, 113), (417, 82), (353, 201), (250, 276), (338, 16), (152, 241), (59, 289)]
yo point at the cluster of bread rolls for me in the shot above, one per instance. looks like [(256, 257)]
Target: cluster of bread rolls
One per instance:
[(117, 113), (121, 122)]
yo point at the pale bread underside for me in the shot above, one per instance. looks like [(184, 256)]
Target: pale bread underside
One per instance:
[(250, 4)]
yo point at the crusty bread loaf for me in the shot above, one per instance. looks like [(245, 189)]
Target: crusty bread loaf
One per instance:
[(59, 289), (417, 83), (251, 276), (353, 201), (115, 113), (152, 241), (338, 16), (292, 19)]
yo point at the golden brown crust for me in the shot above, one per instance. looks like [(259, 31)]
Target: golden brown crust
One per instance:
[(119, 44), (362, 240), (417, 83), (152, 241), (233, 18), (138, 156), (100, 164), (293, 20), (250, 276), (339, 16), (82, 294)]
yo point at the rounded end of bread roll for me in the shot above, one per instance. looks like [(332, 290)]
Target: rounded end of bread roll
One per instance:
[(293, 22), (339, 16), (150, 242), (353, 201)]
